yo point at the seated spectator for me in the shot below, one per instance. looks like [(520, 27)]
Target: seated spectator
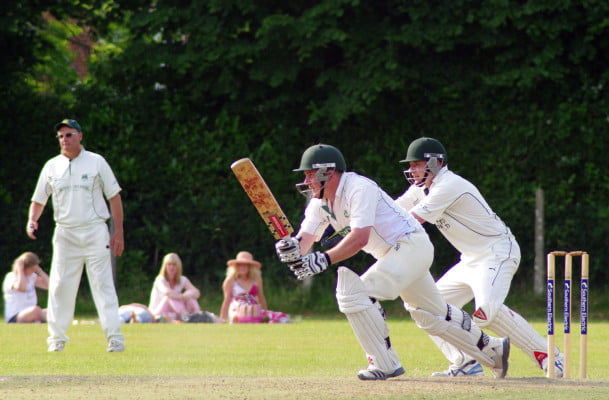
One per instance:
[(19, 287), (244, 300), (173, 296), (135, 313)]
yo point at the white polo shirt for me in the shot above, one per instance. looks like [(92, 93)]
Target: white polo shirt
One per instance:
[(78, 187), (459, 211), (359, 202)]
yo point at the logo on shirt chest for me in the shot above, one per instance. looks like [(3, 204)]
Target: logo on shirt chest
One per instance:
[(442, 224), (84, 177)]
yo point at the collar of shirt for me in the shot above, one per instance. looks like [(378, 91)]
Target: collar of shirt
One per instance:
[(339, 190)]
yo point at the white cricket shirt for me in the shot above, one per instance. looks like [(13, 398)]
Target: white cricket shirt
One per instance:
[(78, 188), (358, 203), (459, 211)]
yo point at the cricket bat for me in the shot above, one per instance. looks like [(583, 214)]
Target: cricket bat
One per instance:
[(262, 198)]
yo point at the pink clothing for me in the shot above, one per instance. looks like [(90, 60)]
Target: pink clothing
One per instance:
[(240, 293), (161, 304), (245, 309)]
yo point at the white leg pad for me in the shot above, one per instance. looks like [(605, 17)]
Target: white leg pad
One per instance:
[(366, 321), (452, 354), (522, 335), (459, 331)]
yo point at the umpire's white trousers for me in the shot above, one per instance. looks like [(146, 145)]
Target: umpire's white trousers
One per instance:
[(73, 248)]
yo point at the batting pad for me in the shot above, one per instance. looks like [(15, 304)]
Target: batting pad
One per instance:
[(458, 331), (452, 354), (522, 335), (366, 320)]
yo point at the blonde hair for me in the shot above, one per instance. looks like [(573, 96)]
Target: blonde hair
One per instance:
[(171, 258), (28, 259), (253, 273)]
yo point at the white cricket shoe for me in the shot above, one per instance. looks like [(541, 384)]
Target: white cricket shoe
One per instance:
[(472, 368), (56, 346), (375, 374), (114, 346), (502, 353), (559, 365)]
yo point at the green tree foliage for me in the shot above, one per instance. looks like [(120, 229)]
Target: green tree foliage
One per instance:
[(514, 89), (35, 85)]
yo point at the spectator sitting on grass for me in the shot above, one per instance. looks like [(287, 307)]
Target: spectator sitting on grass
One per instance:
[(19, 287), (173, 296), (244, 299)]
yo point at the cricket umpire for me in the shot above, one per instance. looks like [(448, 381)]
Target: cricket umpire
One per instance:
[(78, 180)]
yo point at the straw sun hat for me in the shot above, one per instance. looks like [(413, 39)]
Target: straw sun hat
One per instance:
[(244, 257)]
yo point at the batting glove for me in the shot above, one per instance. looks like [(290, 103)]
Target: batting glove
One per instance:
[(310, 264), (288, 250)]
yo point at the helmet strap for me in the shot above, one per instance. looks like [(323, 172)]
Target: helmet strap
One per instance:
[(432, 165), (432, 169)]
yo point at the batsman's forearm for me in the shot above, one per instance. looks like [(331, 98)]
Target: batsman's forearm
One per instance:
[(350, 245), (306, 242)]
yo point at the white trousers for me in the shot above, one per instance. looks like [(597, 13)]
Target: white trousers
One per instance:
[(72, 249), (485, 277), (404, 272)]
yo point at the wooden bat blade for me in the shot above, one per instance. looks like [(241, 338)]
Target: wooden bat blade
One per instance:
[(262, 198)]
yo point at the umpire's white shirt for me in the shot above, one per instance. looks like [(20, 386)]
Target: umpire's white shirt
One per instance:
[(358, 203), (78, 187), (459, 211)]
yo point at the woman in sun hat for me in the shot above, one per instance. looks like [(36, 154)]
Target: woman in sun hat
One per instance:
[(244, 300)]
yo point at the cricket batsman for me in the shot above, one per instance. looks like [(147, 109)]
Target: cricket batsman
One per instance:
[(371, 221)]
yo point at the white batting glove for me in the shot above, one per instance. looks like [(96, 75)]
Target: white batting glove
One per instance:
[(288, 249), (310, 264)]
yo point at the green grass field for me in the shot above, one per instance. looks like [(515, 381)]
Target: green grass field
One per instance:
[(308, 359)]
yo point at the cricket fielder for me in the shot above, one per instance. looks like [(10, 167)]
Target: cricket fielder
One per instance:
[(78, 180), (371, 221), (489, 258)]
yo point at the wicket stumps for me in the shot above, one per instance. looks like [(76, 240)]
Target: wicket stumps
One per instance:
[(583, 315)]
